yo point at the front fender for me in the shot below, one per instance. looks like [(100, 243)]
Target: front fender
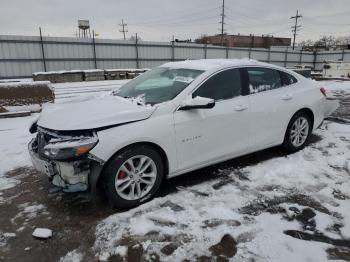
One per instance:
[(159, 132)]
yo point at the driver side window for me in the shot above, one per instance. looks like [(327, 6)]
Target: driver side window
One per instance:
[(223, 85)]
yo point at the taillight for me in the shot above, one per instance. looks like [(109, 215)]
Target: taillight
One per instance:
[(323, 91)]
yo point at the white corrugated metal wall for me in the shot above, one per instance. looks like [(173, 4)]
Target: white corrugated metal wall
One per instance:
[(20, 56)]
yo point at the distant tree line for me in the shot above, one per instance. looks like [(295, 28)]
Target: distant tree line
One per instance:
[(326, 43)]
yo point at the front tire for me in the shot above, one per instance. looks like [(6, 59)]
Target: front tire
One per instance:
[(133, 176), (298, 132)]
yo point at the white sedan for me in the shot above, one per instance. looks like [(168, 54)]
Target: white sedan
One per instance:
[(176, 118)]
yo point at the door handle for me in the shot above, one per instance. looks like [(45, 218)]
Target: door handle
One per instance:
[(287, 97), (240, 108)]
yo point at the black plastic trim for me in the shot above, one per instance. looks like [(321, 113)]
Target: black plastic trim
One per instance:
[(244, 82)]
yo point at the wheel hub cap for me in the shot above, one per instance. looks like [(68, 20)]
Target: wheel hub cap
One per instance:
[(135, 177), (299, 131)]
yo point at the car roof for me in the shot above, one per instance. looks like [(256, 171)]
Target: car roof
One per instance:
[(215, 64)]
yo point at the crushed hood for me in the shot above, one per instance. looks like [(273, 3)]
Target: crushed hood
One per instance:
[(92, 113)]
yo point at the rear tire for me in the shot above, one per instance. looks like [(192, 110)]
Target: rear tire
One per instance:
[(133, 176), (298, 132)]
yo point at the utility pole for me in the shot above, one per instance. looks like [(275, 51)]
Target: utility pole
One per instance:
[(42, 49), (296, 27), (222, 22), (123, 30)]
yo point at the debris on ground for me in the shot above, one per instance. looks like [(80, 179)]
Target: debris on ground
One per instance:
[(42, 233)]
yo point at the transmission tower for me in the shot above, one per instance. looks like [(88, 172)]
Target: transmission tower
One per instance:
[(296, 27), (123, 30)]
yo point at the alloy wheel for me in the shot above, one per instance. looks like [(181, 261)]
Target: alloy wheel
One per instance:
[(136, 177), (299, 131)]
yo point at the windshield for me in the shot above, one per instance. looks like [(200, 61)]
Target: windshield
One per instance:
[(158, 85)]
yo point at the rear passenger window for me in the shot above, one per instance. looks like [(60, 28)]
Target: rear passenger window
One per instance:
[(263, 79), (224, 85), (287, 79)]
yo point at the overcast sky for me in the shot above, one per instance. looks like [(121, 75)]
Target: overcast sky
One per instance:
[(160, 19)]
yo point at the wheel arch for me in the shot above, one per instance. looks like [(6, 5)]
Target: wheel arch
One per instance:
[(306, 110), (309, 112), (158, 148)]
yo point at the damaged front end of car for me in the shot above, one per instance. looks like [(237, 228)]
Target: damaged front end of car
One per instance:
[(64, 157)]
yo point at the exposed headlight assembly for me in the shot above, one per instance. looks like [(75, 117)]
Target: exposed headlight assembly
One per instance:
[(69, 148)]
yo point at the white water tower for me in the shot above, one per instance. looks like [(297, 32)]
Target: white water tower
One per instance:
[(84, 28)]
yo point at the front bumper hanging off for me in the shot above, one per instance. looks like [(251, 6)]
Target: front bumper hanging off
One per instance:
[(71, 176)]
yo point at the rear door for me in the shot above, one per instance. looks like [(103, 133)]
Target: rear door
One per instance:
[(272, 104), (207, 135)]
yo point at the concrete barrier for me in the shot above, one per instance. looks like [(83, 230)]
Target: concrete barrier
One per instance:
[(25, 94), (87, 75), (60, 76), (116, 74), (94, 75), (306, 72)]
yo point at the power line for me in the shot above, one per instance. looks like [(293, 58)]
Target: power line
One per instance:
[(185, 21), (173, 18), (296, 27), (123, 30)]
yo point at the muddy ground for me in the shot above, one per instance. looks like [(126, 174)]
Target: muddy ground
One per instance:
[(73, 217)]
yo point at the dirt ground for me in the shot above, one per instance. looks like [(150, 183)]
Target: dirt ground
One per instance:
[(73, 217)]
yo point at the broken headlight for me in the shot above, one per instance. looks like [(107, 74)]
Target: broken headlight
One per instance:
[(69, 148)]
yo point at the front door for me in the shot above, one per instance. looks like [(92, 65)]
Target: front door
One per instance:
[(208, 135)]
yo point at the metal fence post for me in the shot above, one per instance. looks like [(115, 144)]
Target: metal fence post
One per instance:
[(205, 51), (42, 49), (94, 48), (173, 50), (301, 57), (227, 52), (269, 55), (137, 53), (315, 58), (343, 55), (250, 53), (285, 57)]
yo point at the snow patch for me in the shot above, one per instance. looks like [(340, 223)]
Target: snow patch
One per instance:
[(29, 211), (42, 233), (4, 237), (72, 256), (14, 137)]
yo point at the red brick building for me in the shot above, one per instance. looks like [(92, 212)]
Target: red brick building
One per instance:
[(245, 41)]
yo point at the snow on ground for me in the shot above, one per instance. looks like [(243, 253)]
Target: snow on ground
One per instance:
[(14, 137), (72, 256), (239, 208), (4, 237), (29, 211), (337, 86), (71, 90), (26, 80)]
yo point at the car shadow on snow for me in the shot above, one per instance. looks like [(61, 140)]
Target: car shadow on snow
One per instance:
[(222, 170)]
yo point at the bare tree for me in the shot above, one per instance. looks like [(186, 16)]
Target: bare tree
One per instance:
[(325, 42)]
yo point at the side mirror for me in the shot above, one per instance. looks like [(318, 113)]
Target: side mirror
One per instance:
[(197, 103)]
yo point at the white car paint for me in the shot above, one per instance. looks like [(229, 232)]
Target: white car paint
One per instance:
[(92, 113), (200, 137)]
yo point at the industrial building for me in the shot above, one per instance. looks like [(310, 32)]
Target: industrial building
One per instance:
[(252, 41)]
